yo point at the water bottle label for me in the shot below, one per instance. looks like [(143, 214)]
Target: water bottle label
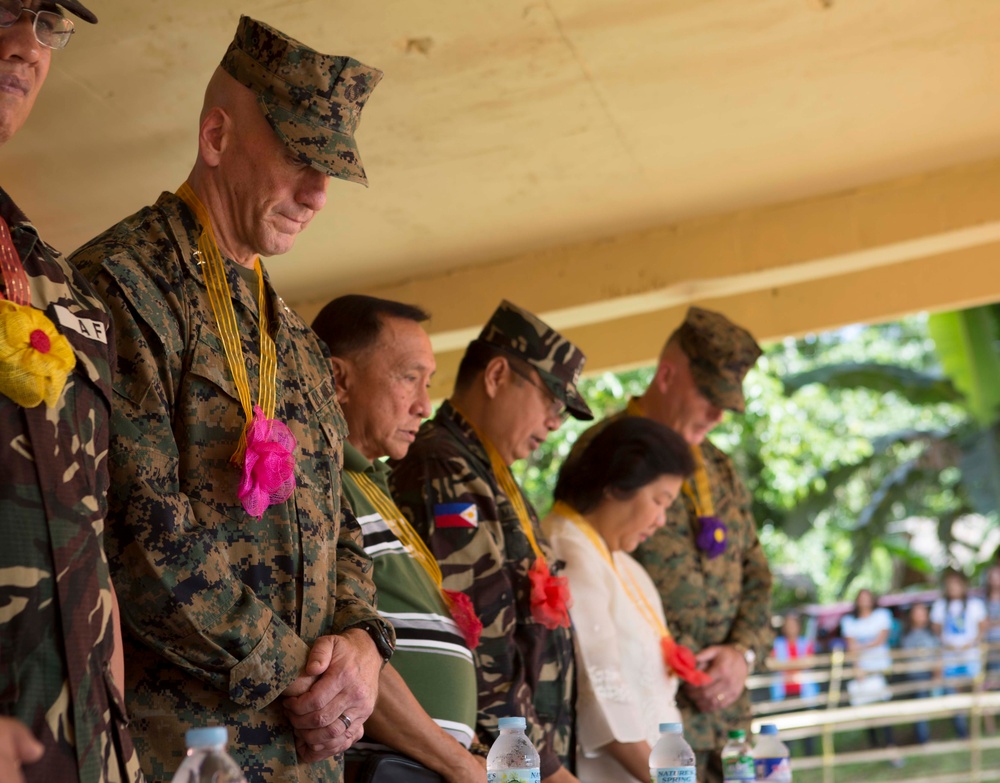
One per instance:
[(514, 776), (737, 768), (675, 775), (777, 770)]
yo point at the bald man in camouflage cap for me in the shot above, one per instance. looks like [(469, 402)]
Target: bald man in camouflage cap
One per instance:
[(516, 383), (249, 599), (706, 560)]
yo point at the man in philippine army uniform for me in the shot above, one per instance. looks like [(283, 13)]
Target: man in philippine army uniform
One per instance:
[(516, 383), (61, 665)]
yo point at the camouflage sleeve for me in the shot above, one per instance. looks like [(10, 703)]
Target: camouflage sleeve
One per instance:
[(752, 624), (177, 592), (472, 561), (356, 597)]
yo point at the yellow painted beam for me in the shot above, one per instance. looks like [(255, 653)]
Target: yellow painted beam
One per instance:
[(726, 256), (927, 242), (962, 278)]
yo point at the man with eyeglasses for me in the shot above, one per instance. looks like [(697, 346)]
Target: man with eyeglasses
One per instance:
[(61, 664), (515, 384)]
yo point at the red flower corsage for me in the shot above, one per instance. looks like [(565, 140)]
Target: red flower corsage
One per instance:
[(682, 662), (550, 598), (464, 615)]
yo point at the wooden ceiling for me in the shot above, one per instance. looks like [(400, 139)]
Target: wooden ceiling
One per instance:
[(507, 127)]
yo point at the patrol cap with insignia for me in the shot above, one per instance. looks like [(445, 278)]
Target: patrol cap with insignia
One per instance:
[(312, 101), (720, 354), (77, 8), (559, 363)]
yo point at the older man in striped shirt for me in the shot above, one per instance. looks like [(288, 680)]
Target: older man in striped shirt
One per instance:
[(382, 363)]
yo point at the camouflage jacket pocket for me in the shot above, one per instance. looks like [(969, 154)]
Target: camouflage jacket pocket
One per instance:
[(208, 361)]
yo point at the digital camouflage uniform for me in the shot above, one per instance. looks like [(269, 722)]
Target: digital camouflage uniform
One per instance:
[(725, 600), (312, 101), (523, 668), (56, 632), (222, 608)]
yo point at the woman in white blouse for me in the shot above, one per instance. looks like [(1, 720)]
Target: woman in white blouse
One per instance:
[(610, 498)]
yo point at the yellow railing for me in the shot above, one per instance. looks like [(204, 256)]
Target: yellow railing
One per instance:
[(826, 714)]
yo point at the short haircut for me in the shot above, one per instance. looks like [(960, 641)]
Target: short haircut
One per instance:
[(353, 322), (478, 354), (622, 458)]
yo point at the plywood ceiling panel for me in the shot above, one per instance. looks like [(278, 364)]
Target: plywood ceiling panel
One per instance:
[(503, 127)]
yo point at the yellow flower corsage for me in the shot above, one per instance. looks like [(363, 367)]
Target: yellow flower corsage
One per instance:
[(35, 359)]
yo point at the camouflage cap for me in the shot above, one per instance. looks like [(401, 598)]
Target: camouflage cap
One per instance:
[(79, 9), (721, 353), (558, 362), (312, 101)]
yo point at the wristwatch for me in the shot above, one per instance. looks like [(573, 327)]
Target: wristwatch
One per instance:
[(748, 655), (383, 641)]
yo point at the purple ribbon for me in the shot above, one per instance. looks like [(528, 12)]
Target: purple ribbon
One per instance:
[(712, 536)]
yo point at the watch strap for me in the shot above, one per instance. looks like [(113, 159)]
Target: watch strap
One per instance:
[(380, 634)]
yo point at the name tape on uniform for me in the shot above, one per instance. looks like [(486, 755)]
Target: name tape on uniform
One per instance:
[(92, 330)]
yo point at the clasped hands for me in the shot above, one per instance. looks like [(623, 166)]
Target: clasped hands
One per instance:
[(329, 703), (728, 669)]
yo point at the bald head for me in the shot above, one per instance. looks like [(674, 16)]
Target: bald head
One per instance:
[(225, 94), (259, 194)]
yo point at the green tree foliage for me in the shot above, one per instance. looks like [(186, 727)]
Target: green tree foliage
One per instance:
[(844, 433)]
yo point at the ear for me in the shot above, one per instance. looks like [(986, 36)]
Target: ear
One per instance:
[(342, 378), (664, 377), (213, 136), (495, 375)]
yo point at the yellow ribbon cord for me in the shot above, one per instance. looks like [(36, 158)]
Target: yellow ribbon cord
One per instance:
[(506, 480), (399, 525), (701, 493), (632, 590), (214, 269)]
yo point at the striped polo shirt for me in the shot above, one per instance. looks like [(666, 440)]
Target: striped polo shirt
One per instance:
[(431, 654)]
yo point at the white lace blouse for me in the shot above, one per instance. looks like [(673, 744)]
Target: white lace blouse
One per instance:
[(624, 688)]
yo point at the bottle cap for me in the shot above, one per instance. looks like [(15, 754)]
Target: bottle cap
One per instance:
[(737, 734), (671, 728), (512, 723), (769, 729), (206, 736)]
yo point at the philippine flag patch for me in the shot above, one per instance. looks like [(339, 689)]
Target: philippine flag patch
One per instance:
[(456, 515)]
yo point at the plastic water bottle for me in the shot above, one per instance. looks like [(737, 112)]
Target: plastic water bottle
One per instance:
[(672, 760), (737, 760), (513, 759), (207, 760), (771, 759)]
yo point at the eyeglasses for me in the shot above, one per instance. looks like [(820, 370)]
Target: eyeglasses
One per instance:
[(51, 29), (557, 410)]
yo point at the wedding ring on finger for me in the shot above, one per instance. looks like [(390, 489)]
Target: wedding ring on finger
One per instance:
[(346, 721)]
